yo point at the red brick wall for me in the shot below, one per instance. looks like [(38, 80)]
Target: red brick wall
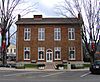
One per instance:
[(49, 42)]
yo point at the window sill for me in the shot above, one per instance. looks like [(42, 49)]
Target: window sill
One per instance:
[(26, 39), (57, 59), (41, 40), (41, 59), (71, 39), (72, 59), (57, 40), (26, 59)]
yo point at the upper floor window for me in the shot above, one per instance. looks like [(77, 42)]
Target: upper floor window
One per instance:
[(71, 33), (57, 33), (71, 53), (27, 34), (41, 34), (27, 53), (57, 53), (41, 53)]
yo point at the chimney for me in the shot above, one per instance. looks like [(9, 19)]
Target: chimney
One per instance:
[(19, 16), (37, 17), (79, 16)]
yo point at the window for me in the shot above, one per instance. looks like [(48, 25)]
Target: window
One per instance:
[(14, 50), (57, 33), (27, 34), (71, 33), (41, 53), (71, 53), (57, 53), (10, 50), (41, 34), (27, 53)]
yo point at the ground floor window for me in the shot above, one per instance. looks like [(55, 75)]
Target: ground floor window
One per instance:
[(41, 53), (57, 53), (26, 53), (71, 53)]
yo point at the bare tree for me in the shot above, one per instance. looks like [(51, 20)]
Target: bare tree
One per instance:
[(8, 10), (90, 13)]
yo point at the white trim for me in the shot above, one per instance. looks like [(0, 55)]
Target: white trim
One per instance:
[(57, 49), (71, 30), (27, 49), (49, 55), (41, 49), (72, 49), (41, 31), (28, 31), (57, 31), (26, 59)]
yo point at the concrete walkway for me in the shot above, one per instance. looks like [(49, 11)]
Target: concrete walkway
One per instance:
[(30, 69)]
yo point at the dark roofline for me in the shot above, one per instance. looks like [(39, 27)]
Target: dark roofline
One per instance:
[(49, 20)]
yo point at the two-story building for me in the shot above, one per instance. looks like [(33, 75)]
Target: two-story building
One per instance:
[(49, 39)]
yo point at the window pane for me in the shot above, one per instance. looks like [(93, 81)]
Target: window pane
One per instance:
[(57, 53), (57, 33), (26, 53), (71, 33), (59, 36), (41, 53), (27, 33), (41, 33), (72, 53), (73, 37)]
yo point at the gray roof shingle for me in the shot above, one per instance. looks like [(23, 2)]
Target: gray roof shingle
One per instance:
[(49, 21)]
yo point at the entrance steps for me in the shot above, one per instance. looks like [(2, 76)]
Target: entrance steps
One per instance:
[(49, 65)]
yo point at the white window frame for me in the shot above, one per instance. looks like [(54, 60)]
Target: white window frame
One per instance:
[(71, 31), (27, 31), (72, 49), (57, 49), (41, 49), (41, 34), (26, 49), (57, 34)]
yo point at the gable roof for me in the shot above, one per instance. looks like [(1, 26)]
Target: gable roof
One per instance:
[(49, 21)]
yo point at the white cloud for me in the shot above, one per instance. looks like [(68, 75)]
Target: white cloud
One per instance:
[(45, 7), (50, 3)]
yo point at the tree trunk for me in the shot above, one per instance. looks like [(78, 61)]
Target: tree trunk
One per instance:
[(4, 54), (92, 58)]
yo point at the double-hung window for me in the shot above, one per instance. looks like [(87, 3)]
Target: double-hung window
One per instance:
[(26, 53), (57, 53), (27, 34), (71, 33), (41, 53), (57, 34), (71, 53), (41, 34)]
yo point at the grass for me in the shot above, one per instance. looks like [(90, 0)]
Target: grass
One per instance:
[(86, 65), (31, 66)]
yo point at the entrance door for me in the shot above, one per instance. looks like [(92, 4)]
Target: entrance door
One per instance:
[(49, 55)]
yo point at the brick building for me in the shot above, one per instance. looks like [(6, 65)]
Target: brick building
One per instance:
[(51, 40)]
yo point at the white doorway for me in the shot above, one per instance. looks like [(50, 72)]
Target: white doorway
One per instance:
[(49, 55)]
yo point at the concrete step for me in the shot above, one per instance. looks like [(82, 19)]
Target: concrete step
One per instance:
[(49, 65)]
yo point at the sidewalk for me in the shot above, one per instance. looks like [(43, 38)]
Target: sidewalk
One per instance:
[(30, 69)]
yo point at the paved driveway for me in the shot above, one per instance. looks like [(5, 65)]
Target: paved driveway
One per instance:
[(52, 76)]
